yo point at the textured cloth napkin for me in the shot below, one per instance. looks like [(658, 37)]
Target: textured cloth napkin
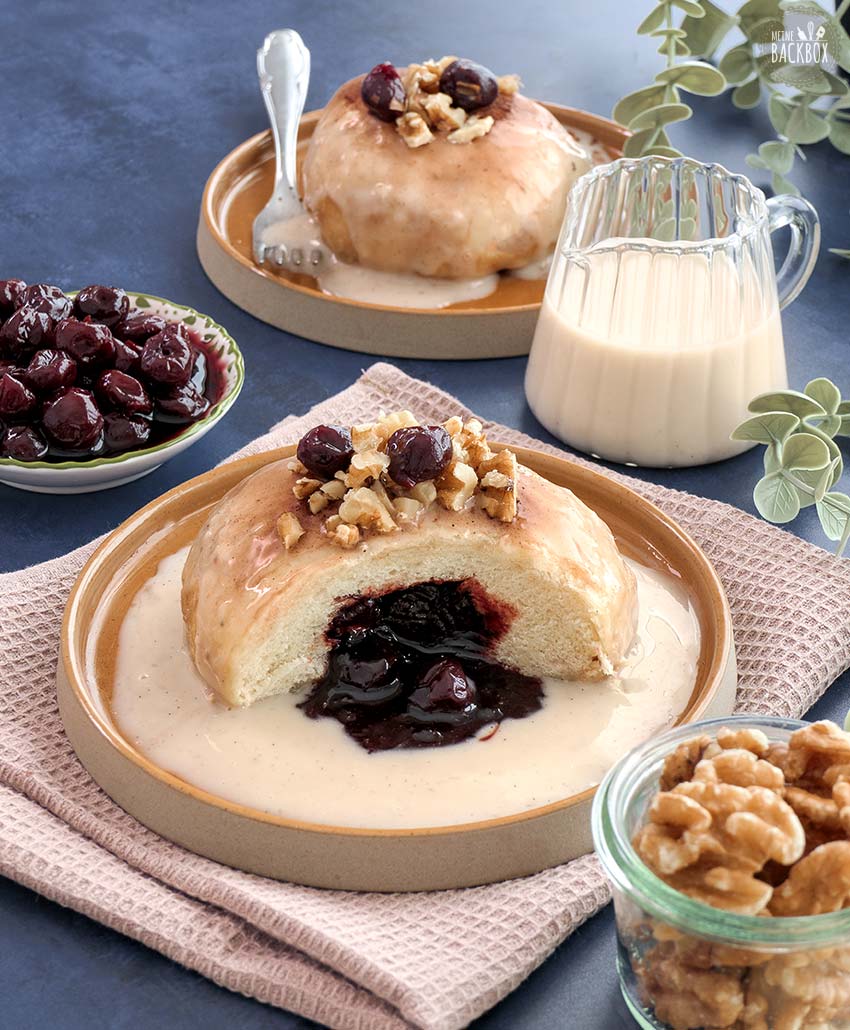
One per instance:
[(366, 961)]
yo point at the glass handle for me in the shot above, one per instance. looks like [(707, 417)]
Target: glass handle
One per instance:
[(805, 243)]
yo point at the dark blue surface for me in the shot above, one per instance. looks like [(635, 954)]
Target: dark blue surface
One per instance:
[(112, 117)]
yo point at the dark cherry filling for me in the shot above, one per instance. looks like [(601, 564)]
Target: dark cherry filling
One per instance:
[(412, 668)]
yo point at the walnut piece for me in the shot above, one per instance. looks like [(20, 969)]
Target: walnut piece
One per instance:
[(414, 130), (366, 467), (818, 883), (304, 487), (361, 507), (509, 84), (440, 113), (456, 485), (498, 485), (473, 128), (289, 530), (345, 535)]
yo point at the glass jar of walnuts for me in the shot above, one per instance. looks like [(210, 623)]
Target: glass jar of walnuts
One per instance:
[(727, 843)]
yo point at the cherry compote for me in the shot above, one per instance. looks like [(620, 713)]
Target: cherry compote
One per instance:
[(90, 377), (414, 668)]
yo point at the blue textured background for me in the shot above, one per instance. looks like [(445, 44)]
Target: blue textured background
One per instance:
[(111, 118)]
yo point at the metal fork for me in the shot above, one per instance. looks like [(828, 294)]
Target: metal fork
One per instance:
[(283, 66)]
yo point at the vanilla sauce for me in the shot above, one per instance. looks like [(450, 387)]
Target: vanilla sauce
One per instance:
[(272, 757)]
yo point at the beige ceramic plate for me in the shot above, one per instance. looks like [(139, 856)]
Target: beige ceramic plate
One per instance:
[(497, 326), (338, 856)]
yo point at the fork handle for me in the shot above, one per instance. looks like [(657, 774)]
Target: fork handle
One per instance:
[(283, 65)]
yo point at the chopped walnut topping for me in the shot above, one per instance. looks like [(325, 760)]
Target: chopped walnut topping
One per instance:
[(425, 493), (456, 485), (388, 424), (364, 495), (294, 465), (317, 502), (498, 482), (424, 77), (429, 111), (346, 536), (305, 487), (365, 437), (289, 530), (509, 84), (361, 507), (440, 113), (366, 467), (414, 130), (473, 128), (407, 508), (334, 489)]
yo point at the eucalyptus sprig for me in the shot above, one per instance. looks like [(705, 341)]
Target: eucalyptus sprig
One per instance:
[(806, 103), (799, 117), (802, 462), (648, 111)]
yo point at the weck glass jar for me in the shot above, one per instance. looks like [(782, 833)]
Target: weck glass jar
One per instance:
[(685, 965)]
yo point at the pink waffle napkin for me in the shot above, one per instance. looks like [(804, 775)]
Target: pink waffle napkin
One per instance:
[(373, 961)]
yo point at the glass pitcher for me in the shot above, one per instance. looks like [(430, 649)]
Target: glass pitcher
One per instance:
[(660, 320)]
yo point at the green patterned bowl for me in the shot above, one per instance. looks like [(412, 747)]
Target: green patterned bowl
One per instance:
[(77, 477)]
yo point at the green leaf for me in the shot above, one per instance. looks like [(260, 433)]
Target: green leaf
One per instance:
[(786, 400), (747, 95), (779, 111), (841, 253), (839, 135), (838, 87), (704, 35), (777, 156), (141, 301), (662, 114), (834, 511), (782, 185), (825, 392), (737, 64), (804, 126), (660, 151), (805, 77), (754, 161), (805, 451), (680, 48), (755, 11), (669, 32), (776, 499), (691, 8), (653, 20), (834, 450), (816, 483), (770, 427), (634, 145), (771, 458), (694, 76), (764, 31), (633, 103)]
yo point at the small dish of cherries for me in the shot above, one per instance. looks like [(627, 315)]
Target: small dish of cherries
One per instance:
[(104, 377)]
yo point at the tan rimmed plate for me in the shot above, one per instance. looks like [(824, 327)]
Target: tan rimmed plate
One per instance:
[(498, 326), (338, 856)]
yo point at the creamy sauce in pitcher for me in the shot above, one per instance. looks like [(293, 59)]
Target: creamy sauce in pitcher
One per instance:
[(272, 757), (652, 357)]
